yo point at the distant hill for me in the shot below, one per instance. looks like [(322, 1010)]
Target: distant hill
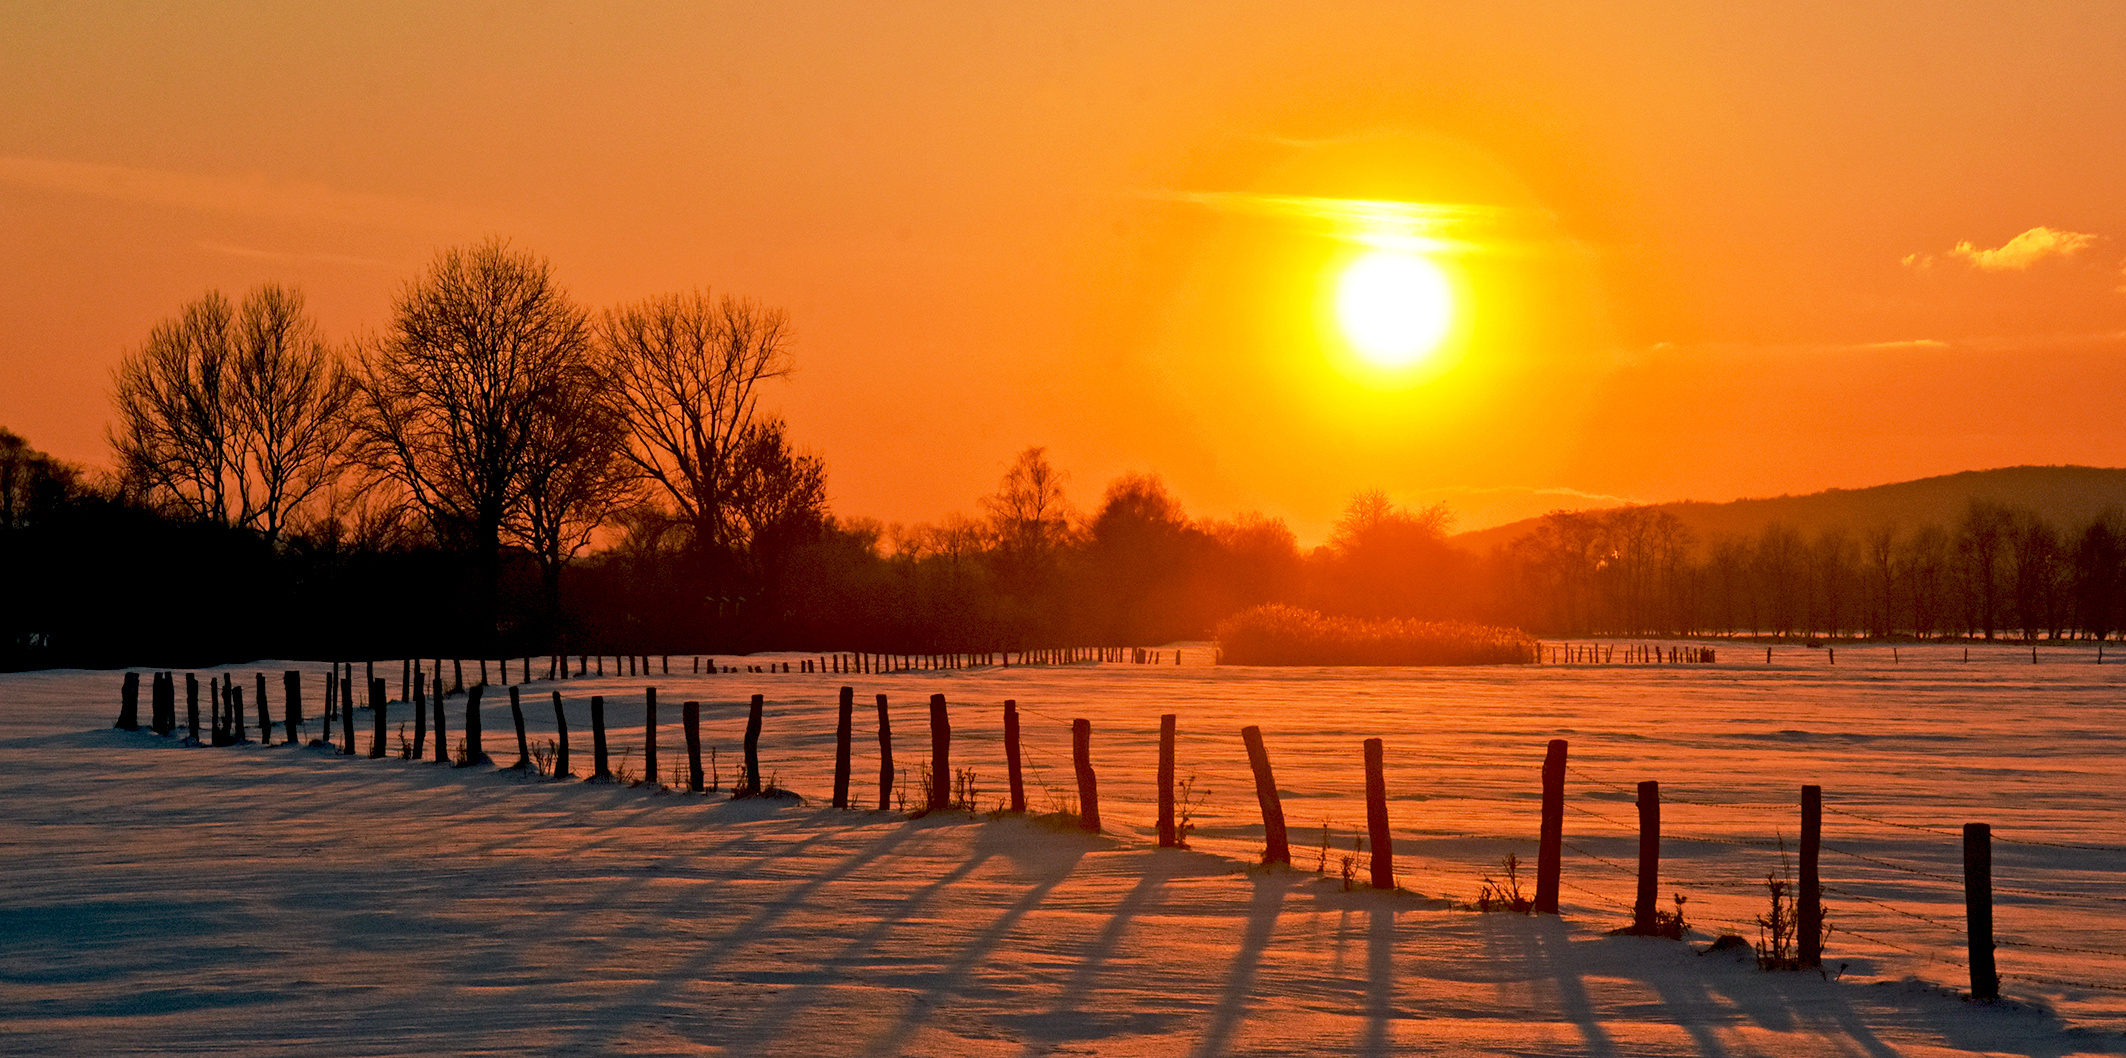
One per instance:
[(2068, 496)]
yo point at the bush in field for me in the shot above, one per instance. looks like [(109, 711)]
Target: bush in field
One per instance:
[(1287, 635)]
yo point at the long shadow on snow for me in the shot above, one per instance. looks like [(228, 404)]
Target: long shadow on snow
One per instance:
[(601, 1027), (1270, 889), (1048, 865)]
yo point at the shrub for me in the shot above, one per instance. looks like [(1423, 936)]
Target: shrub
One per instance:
[(1277, 634)]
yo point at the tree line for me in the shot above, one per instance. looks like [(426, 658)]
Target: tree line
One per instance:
[(501, 470)]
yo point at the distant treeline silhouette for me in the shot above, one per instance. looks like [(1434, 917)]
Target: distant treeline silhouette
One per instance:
[(501, 471)]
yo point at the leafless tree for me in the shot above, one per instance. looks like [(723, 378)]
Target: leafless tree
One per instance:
[(1029, 513), (485, 349), (576, 476), (689, 368), (235, 414)]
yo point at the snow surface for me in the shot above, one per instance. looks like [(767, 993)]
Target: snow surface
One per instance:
[(250, 899)]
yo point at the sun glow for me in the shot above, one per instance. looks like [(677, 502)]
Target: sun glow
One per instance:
[(1394, 307)]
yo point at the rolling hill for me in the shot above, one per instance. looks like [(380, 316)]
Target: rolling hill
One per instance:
[(2068, 496)]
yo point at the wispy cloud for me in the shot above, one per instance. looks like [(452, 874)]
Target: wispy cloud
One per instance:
[(250, 195), (1416, 227), (2016, 254)]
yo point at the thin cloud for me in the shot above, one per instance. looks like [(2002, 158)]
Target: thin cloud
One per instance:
[(226, 250), (2018, 253), (255, 195), (1416, 227)]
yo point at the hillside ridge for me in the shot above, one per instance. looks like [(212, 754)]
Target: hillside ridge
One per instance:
[(2068, 496)]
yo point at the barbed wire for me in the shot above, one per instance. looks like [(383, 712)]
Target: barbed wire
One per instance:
[(1892, 908), (1611, 864), (1893, 866), (1930, 957), (1611, 820), (2057, 947), (2064, 981)]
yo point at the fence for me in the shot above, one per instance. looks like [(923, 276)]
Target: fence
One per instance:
[(1867, 867)]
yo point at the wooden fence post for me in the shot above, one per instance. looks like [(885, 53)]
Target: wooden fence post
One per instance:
[(192, 707), (1978, 910), (753, 747), (129, 703), (1081, 759), (599, 771), (1377, 833), (442, 724), (235, 708), (940, 755), (474, 753), (1550, 851), (649, 732), (1013, 776), (1275, 848), (844, 720), (1808, 903), (347, 712), (560, 740), (690, 713), (292, 707), (516, 713), (381, 733), (1644, 908), (265, 718), (885, 756), (420, 714), (1168, 838)]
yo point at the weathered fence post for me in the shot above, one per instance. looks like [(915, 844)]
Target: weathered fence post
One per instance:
[(1377, 817), (599, 771), (292, 708), (1275, 848), (1978, 909), (265, 718), (1644, 908), (474, 753), (690, 713), (940, 755), (129, 703), (1081, 760), (377, 737), (192, 707), (1809, 901), (885, 756), (753, 746), (1168, 838), (236, 709), (347, 713), (649, 732), (516, 713), (1012, 775), (420, 714), (1550, 851), (442, 723), (843, 721), (162, 706), (561, 770)]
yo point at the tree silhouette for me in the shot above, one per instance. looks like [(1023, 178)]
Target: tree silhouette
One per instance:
[(233, 414), (485, 351)]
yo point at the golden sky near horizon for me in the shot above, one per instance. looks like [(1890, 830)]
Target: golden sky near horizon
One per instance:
[(1696, 251)]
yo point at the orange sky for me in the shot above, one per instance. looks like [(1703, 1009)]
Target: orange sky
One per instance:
[(1721, 260)]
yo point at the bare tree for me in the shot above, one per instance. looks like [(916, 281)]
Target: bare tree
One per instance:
[(484, 350), (689, 367), (1029, 514), (233, 414), (576, 476)]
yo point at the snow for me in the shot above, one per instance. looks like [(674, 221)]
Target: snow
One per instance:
[(259, 899)]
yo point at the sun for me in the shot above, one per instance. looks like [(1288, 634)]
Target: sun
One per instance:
[(1394, 307)]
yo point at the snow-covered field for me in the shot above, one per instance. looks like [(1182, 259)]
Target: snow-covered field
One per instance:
[(251, 899)]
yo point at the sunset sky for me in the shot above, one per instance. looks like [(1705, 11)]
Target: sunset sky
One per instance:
[(1695, 251)]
